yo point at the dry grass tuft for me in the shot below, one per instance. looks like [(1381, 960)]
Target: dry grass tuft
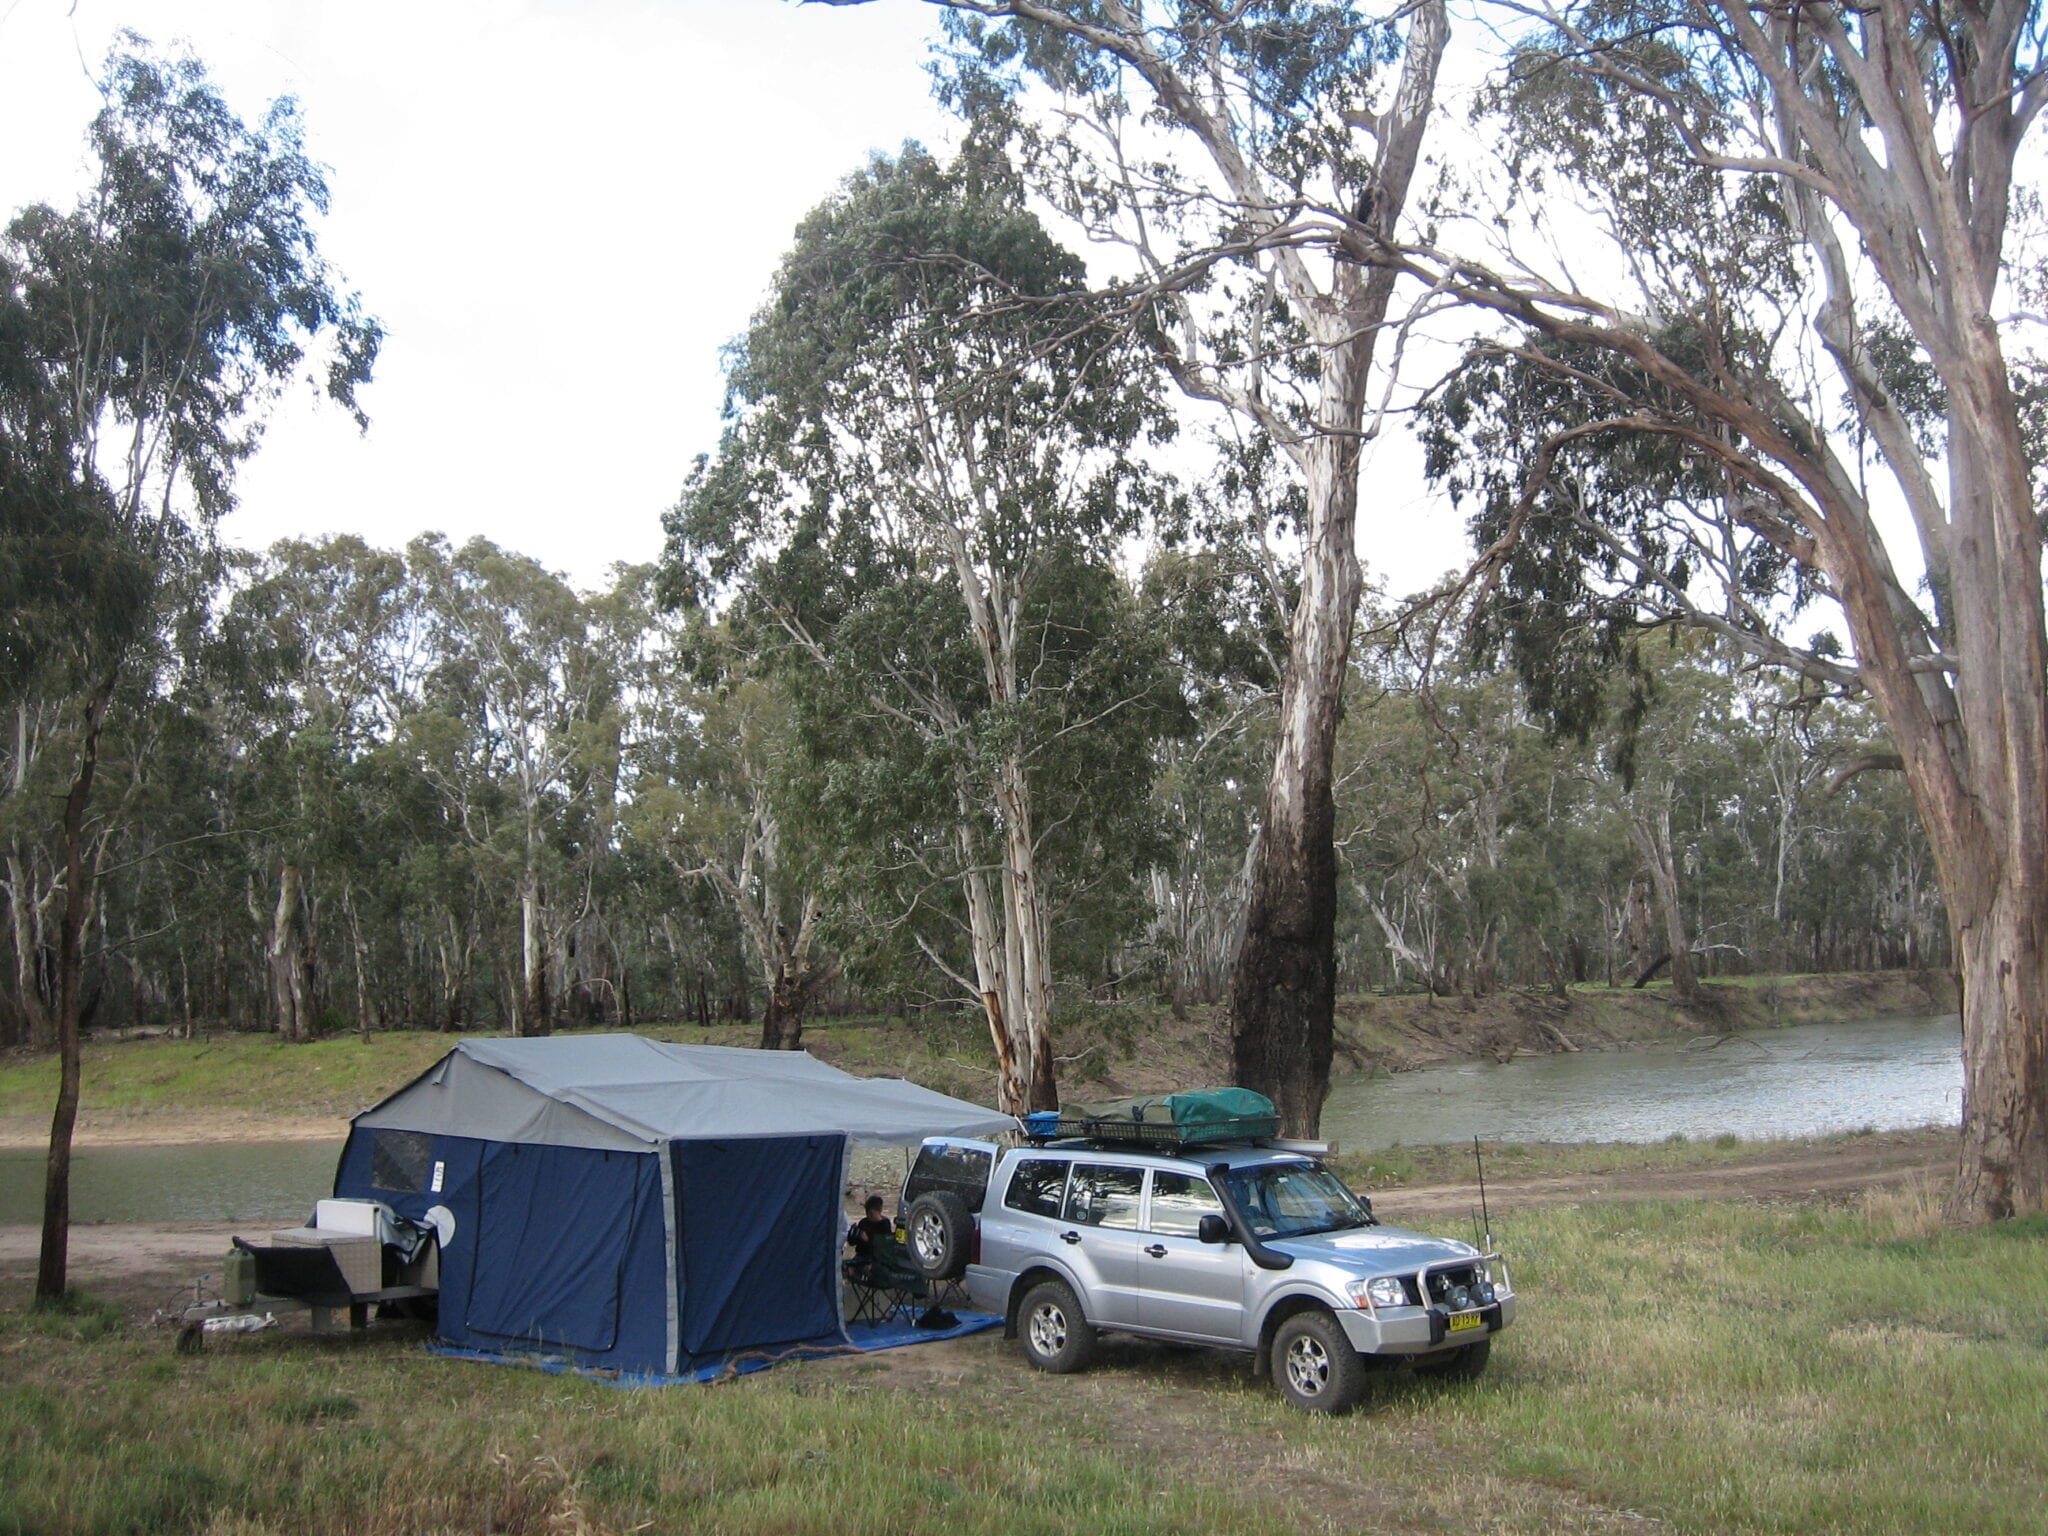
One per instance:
[(1907, 1210)]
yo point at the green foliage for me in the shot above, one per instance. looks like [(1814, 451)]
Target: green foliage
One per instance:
[(162, 315), (912, 524), (1481, 846), (930, 409), (143, 335), (1585, 473)]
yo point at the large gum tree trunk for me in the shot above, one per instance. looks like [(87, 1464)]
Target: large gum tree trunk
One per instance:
[(1995, 868), (1011, 941), (2003, 1167), (1283, 989), (985, 933), (1029, 948), (994, 975), (786, 961), (782, 1021)]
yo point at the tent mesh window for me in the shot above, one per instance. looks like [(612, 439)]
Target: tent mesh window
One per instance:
[(399, 1159)]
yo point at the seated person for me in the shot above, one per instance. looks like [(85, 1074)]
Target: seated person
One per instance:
[(860, 1237)]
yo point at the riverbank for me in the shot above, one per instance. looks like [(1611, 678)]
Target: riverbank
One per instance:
[(254, 1088), (1731, 1356), (1399, 1034)]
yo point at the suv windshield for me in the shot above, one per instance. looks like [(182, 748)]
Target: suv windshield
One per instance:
[(1293, 1200)]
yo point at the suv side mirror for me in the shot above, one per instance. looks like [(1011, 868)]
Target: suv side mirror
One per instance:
[(1213, 1229)]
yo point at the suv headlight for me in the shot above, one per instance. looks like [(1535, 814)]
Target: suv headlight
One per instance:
[(1380, 1291)]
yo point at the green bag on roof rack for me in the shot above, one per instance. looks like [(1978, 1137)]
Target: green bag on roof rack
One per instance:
[(1176, 1119)]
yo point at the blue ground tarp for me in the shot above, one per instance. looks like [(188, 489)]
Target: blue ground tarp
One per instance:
[(865, 1338)]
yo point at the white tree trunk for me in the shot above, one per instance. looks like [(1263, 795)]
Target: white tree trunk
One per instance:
[(1020, 1015), (1649, 826), (289, 1005), (1027, 939), (27, 915), (532, 1013), (1283, 990)]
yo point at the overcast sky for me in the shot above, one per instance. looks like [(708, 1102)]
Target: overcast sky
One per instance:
[(560, 210)]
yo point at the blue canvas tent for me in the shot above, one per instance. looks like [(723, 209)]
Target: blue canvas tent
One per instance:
[(620, 1202)]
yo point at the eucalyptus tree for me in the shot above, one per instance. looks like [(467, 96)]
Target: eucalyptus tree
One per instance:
[(624, 642), (1222, 620), (159, 317), (1432, 777), (1246, 160), (317, 645), (715, 762), (70, 587), (927, 476), (500, 731), (1804, 227)]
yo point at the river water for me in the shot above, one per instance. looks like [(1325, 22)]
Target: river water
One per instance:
[(1811, 1079), (275, 1182), (1808, 1080)]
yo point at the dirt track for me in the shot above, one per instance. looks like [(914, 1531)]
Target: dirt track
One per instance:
[(1823, 1171)]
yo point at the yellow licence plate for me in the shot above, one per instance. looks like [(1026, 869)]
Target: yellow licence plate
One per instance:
[(1465, 1322)]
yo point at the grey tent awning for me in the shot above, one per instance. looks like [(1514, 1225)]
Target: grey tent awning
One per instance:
[(629, 1092)]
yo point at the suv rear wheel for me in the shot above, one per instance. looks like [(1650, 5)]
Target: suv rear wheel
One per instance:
[(1056, 1337), (940, 1228), (1314, 1365)]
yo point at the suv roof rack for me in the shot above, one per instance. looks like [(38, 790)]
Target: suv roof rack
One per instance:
[(1173, 1123), (1167, 1138)]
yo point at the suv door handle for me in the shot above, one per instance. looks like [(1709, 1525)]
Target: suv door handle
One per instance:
[(1070, 1237), (1157, 1250)]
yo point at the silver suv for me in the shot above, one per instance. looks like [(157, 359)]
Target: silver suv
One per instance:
[(1243, 1246)]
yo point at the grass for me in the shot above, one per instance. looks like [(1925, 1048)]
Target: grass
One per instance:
[(253, 1075), (229, 1074), (1717, 1367), (259, 1075), (313, 1434)]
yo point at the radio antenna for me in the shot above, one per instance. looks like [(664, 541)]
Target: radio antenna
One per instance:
[(1479, 1163)]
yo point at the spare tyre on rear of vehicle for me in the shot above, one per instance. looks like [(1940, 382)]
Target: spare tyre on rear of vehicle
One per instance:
[(940, 1230)]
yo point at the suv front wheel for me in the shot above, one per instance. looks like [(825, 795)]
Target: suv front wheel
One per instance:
[(1056, 1337), (1314, 1365)]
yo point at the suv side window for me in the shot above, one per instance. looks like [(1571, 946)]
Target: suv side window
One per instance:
[(1036, 1184), (1180, 1201), (1104, 1196)]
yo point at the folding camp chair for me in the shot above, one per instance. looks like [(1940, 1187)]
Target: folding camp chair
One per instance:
[(870, 1303), (885, 1284)]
